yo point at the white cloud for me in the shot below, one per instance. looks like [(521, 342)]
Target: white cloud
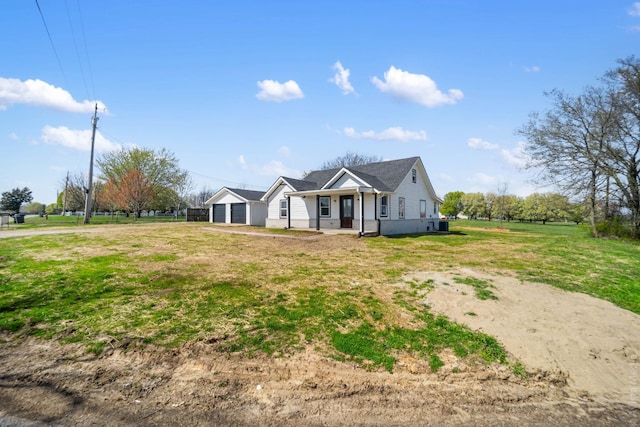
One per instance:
[(76, 139), (42, 94), (517, 156), (14, 136), (635, 9), (635, 29), (480, 144), (390, 134), (277, 168), (284, 151), (534, 69), (417, 88), (341, 79), (242, 162), (483, 179), (273, 91)]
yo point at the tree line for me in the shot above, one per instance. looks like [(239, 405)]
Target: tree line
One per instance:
[(538, 207)]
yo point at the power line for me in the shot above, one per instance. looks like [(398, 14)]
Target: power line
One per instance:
[(86, 50), (51, 39), (75, 45), (235, 184)]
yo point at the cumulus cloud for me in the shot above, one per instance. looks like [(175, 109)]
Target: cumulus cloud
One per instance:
[(273, 91), (480, 144), (533, 69), (418, 88), (341, 79), (42, 94), (76, 139), (635, 9), (390, 134), (277, 168), (517, 156)]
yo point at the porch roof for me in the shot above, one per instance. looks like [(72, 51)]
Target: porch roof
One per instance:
[(332, 191)]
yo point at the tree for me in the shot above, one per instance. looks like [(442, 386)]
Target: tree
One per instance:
[(158, 170), (588, 145), (34, 208), (12, 200), (73, 195), (452, 205), (473, 205), (197, 200), (350, 159), (622, 153), (135, 191)]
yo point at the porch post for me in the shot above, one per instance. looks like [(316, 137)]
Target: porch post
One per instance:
[(288, 212), (317, 212), (362, 212)]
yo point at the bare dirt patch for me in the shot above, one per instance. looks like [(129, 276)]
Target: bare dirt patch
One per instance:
[(53, 384), (595, 343)]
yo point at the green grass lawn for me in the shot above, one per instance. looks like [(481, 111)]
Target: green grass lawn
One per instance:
[(167, 284)]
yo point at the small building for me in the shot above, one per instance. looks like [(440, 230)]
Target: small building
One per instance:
[(237, 206), (385, 198)]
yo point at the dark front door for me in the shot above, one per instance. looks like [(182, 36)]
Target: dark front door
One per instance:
[(346, 211)]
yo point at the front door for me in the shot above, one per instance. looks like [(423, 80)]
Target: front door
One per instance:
[(346, 211)]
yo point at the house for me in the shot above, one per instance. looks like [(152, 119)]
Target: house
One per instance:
[(386, 198), (237, 206)]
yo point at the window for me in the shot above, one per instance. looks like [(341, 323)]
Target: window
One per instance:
[(283, 208), (325, 206), (435, 208), (423, 208), (384, 206), (401, 207), (413, 176)]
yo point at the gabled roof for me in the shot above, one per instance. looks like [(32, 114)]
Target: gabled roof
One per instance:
[(382, 176), (246, 195)]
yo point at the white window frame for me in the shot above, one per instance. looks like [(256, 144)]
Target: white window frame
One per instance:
[(282, 205), (423, 208), (327, 207), (414, 175), (384, 206), (401, 207)]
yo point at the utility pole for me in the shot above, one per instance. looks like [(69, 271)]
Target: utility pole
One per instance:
[(64, 200), (87, 205)]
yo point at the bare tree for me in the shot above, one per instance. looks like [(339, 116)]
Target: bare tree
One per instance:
[(566, 144), (350, 159)]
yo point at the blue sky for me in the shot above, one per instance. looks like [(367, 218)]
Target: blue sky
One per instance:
[(245, 91)]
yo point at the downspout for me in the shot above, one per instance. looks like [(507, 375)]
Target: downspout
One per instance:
[(361, 212), (317, 212), (288, 212), (375, 212)]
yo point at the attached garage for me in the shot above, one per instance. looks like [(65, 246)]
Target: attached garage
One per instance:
[(219, 210), (237, 206)]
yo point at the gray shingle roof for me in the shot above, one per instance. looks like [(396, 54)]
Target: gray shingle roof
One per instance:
[(247, 194), (384, 176)]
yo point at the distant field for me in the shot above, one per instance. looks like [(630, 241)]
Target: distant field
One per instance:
[(75, 220), (171, 283)]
